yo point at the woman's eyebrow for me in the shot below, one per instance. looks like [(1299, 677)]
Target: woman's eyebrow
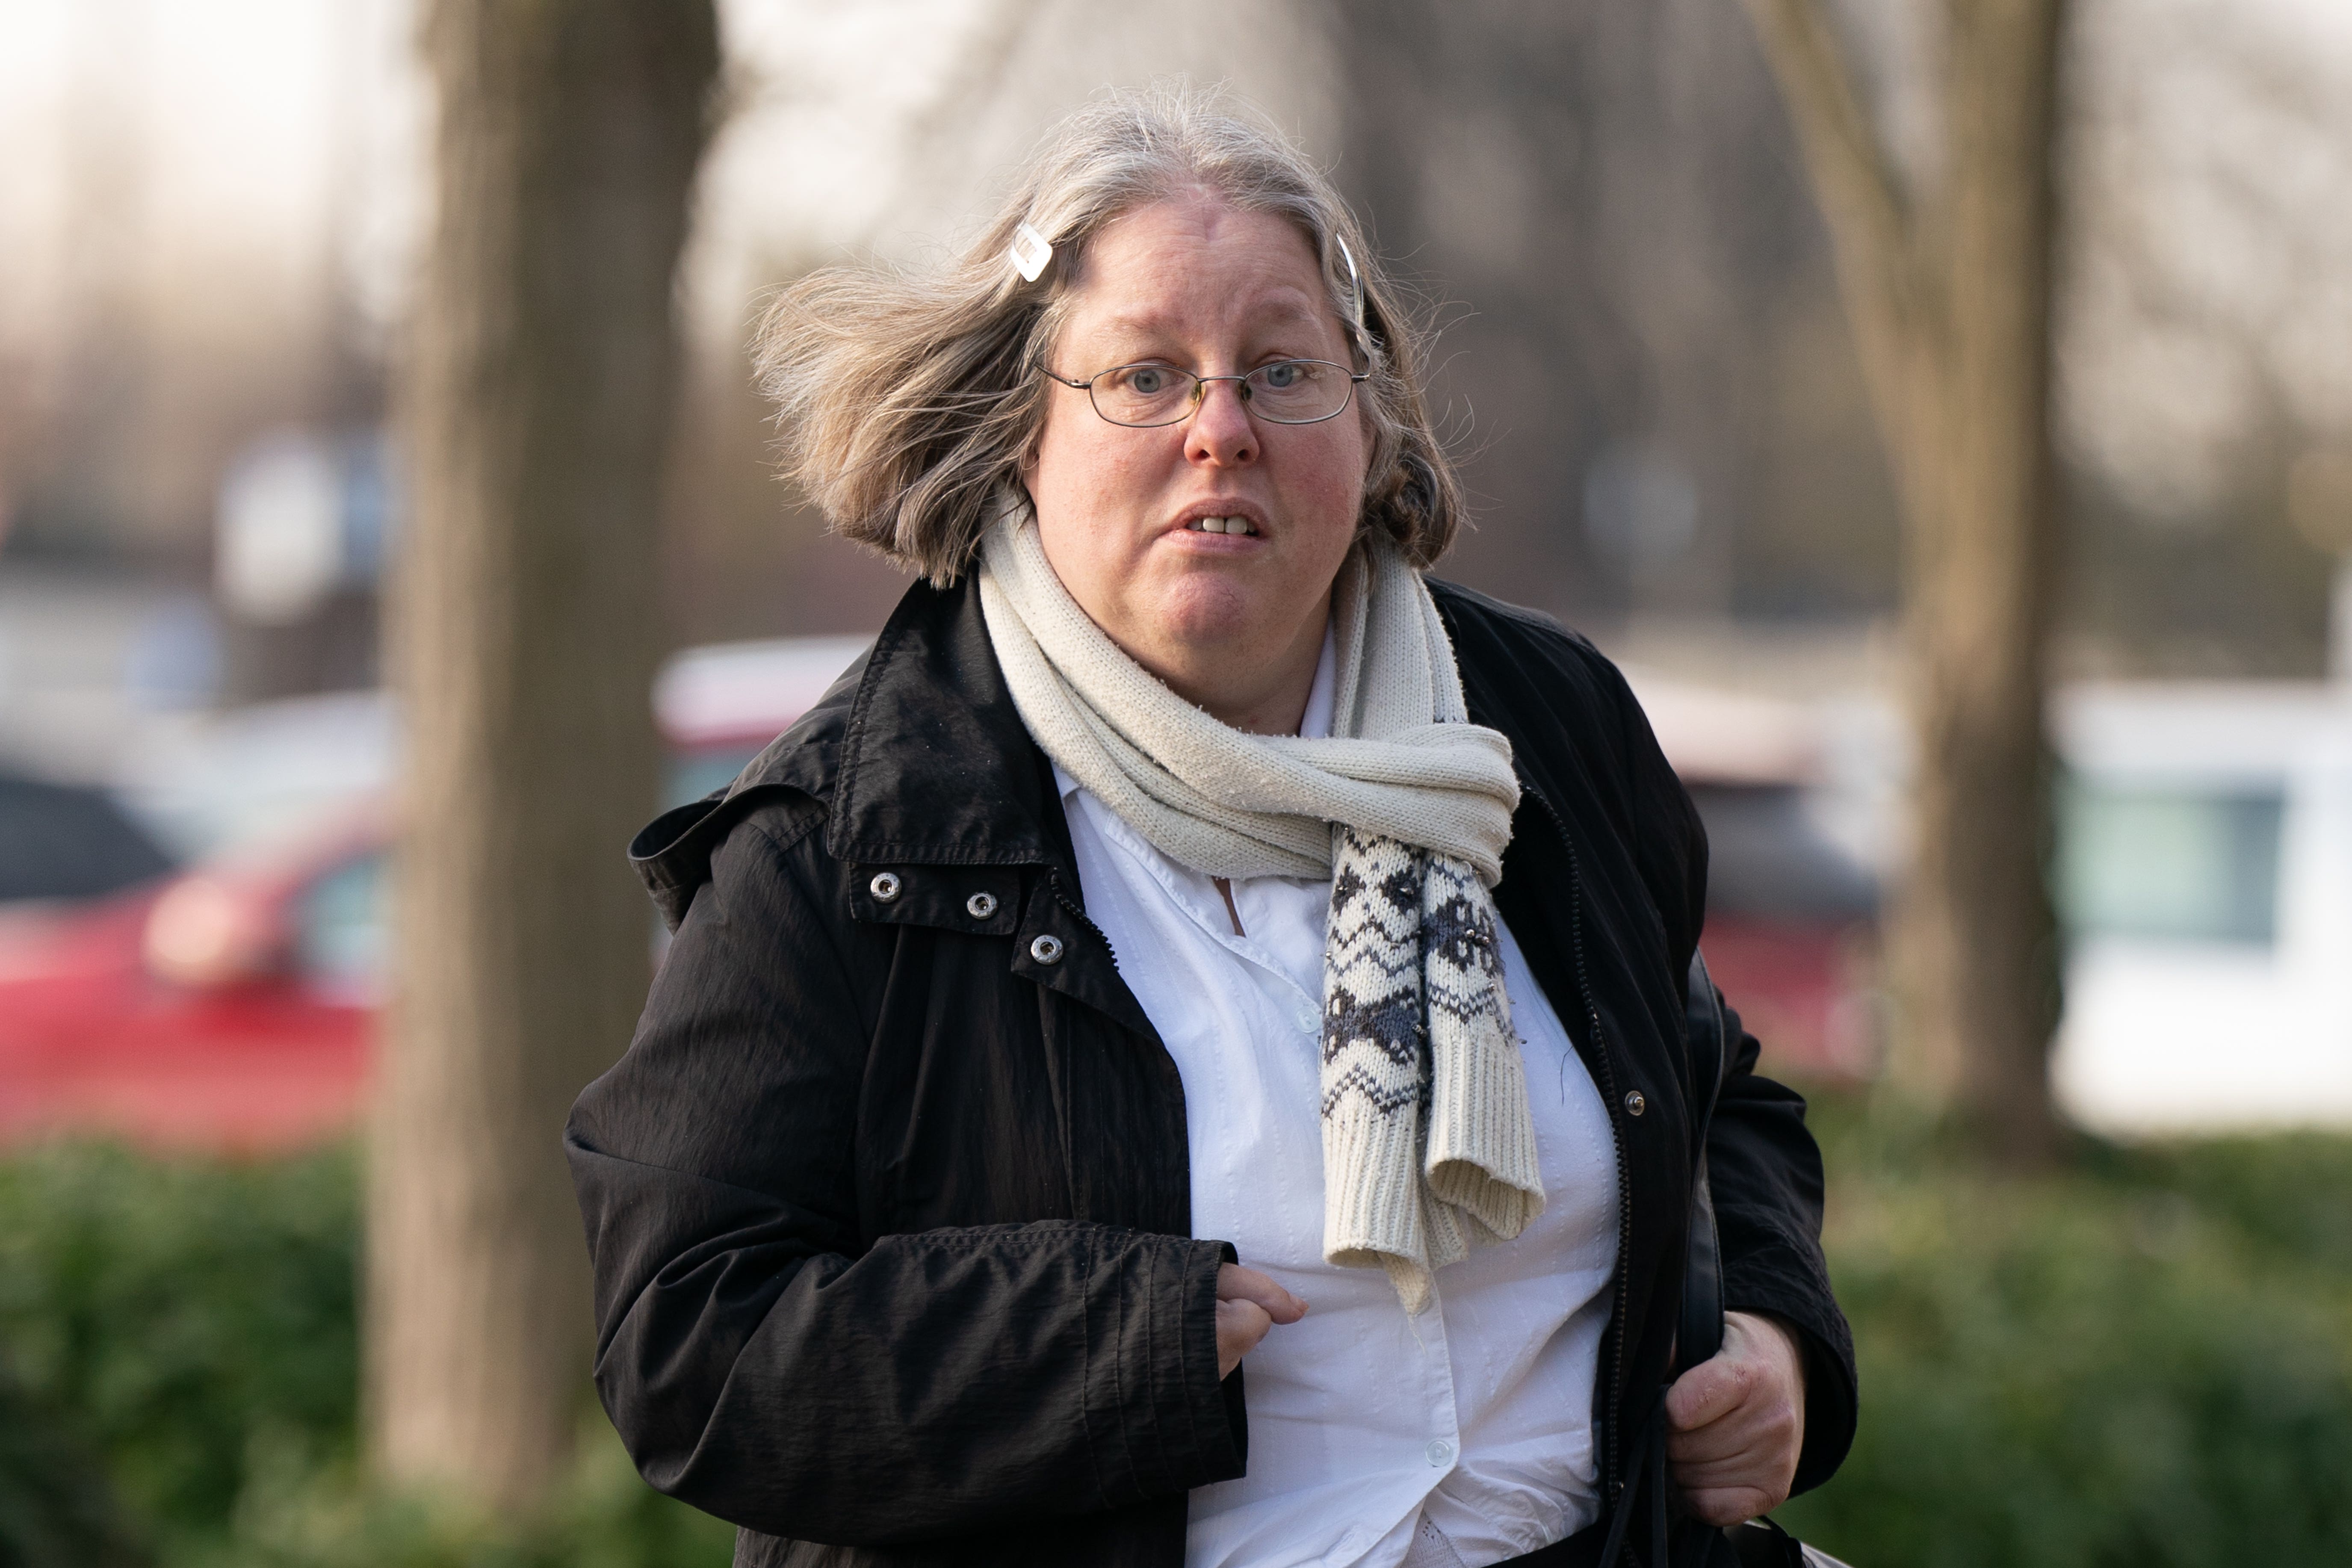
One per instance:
[(1139, 323), (1294, 312)]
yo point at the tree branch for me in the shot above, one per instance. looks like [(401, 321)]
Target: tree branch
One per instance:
[(1854, 178)]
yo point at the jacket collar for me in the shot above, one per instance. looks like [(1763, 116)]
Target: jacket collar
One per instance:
[(915, 757), (934, 764), (938, 778)]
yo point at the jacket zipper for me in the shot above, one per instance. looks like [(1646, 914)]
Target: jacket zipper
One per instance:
[(1611, 1483), (1054, 882)]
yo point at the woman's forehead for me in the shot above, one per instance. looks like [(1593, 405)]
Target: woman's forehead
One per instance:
[(1204, 212), (1182, 265)]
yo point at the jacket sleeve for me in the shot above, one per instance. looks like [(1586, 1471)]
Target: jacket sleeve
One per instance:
[(1764, 1168), (766, 1361)]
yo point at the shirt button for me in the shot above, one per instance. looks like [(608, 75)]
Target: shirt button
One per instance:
[(1441, 1452), (1635, 1104), (1047, 949), (980, 906)]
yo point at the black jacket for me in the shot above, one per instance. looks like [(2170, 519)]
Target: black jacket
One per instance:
[(888, 1200)]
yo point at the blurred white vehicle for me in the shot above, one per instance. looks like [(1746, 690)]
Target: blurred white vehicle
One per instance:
[(2202, 872), (2205, 871)]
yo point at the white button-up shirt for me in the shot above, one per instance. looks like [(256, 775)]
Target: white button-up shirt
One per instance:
[(1366, 1427)]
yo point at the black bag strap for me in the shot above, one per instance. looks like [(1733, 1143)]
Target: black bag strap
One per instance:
[(1699, 1334)]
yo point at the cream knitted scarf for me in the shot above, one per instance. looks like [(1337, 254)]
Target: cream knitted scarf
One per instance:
[(1428, 1146)]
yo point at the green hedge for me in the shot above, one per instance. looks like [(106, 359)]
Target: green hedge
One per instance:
[(2146, 1360), (179, 1377), (177, 1321)]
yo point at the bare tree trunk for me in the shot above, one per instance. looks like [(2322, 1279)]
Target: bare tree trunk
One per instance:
[(536, 407), (1949, 294)]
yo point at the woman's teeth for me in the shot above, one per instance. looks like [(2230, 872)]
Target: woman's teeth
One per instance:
[(1222, 525)]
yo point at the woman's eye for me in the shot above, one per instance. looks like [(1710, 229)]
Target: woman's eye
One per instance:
[(1284, 376), (1147, 381)]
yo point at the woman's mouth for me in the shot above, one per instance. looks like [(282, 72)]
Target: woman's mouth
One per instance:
[(1221, 525)]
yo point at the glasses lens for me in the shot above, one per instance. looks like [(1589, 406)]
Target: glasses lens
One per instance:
[(1298, 391), (1143, 394)]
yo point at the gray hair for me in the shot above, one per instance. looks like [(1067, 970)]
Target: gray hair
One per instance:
[(906, 400)]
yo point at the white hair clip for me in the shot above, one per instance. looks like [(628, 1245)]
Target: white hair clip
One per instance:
[(1355, 280), (1030, 252)]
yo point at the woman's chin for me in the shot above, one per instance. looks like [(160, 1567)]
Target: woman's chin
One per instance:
[(1212, 610)]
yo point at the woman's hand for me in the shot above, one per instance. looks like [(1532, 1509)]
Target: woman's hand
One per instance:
[(1248, 1305), (1735, 1423)]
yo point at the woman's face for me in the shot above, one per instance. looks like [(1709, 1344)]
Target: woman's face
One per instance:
[(1232, 621)]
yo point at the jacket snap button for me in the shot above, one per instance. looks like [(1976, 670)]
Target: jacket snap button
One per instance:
[(980, 906), (1635, 1104), (886, 886), (1046, 949)]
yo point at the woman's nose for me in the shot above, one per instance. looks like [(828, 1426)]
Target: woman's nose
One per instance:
[(1221, 432)]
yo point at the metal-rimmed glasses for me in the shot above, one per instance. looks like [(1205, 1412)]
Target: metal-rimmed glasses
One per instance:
[(1284, 391)]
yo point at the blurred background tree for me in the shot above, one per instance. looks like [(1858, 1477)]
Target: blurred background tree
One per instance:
[(1948, 280), (1642, 363), (537, 408)]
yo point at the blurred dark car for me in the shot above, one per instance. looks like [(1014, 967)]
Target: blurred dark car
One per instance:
[(1789, 920), (69, 842), (233, 1006)]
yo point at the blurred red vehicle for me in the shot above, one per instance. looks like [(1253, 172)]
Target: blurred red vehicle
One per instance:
[(232, 1007), (1791, 915), (229, 1007)]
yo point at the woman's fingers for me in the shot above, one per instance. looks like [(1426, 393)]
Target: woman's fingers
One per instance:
[(1735, 1424), (1708, 1392), (1730, 1506), (1240, 1326), (1730, 1455), (1248, 1305), (1235, 1283)]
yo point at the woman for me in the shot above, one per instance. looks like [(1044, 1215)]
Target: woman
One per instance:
[(1179, 1057)]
